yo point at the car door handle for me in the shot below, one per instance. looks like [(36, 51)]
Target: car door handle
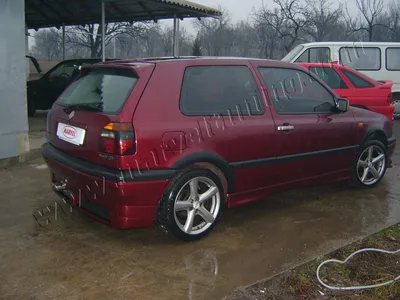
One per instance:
[(285, 128)]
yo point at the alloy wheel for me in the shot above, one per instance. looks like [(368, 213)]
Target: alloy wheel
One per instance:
[(197, 205), (371, 165)]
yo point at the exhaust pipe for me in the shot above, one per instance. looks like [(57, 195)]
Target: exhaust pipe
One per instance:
[(58, 187)]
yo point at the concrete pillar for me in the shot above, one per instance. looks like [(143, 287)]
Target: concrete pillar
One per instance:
[(13, 109), (27, 52)]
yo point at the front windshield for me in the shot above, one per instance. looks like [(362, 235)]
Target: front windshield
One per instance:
[(289, 57)]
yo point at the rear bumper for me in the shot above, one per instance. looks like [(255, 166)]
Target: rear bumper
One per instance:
[(390, 150), (122, 199)]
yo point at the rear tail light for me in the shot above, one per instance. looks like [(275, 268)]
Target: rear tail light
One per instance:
[(48, 122), (390, 98), (117, 139)]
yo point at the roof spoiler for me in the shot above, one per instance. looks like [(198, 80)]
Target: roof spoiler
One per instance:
[(386, 84)]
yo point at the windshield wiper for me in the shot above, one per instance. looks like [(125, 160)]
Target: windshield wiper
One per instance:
[(92, 106)]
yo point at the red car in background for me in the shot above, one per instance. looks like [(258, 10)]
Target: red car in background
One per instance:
[(360, 90)]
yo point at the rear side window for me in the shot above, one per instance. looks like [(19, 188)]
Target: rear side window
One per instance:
[(110, 87), (361, 58), (356, 80), (220, 90), (315, 55), (393, 59), (330, 77)]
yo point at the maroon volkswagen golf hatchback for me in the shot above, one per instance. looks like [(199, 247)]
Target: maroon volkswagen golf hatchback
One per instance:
[(174, 141)]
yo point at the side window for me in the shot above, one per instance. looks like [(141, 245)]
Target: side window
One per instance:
[(220, 90), (330, 77), (393, 59), (303, 58), (295, 92), (63, 71), (315, 55), (356, 80), (361, 58)]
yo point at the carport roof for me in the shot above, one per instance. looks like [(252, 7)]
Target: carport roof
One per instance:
[(55, 13)]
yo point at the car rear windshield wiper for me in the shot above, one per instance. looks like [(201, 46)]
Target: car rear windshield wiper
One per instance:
[(93, 106)]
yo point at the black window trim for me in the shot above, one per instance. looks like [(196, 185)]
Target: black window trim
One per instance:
[(226, 114), (358, 47), (307, 73), (344, 74), (309, 53), (386, 59), (333, 71)]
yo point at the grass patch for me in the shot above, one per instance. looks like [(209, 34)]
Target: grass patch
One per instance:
[(363, 269)]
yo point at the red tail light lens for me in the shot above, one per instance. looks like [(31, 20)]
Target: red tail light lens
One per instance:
[(48, 122), (390, 98), (117, 139)]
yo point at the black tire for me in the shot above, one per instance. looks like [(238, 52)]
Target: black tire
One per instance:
[(31, 108), (166, 214), (395, 98), (361, 154)]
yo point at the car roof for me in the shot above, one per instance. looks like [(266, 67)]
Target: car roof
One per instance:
[(202, 59), (357, 44), (320, 64)]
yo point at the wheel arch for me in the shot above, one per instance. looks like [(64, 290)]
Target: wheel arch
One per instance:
[(396, 95), (211, 161), (376, 134)]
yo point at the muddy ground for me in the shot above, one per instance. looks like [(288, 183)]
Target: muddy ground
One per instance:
[(76, 257), (363, 269)]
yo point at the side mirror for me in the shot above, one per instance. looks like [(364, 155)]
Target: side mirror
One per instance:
[(342, 105)]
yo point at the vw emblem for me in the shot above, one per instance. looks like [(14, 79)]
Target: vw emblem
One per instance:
[(71, 115)]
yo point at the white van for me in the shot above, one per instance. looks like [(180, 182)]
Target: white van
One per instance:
[(377, 60)]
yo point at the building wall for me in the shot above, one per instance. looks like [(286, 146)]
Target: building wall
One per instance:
[(13, 116)]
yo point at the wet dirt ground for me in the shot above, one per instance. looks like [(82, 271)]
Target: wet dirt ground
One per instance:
[(75, 257)]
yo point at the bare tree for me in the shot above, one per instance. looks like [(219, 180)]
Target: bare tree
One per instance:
[(323, 19), (370, 11), (166, 36), (266, 35), (245, 38), (89, 36), (216, 34), (47, 44), (288, 20), (392, 18)]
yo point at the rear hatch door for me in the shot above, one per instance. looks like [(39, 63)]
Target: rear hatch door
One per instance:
[(104, 94)]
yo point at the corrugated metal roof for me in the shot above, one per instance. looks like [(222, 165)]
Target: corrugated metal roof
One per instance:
[(194, 5), (55, 13)]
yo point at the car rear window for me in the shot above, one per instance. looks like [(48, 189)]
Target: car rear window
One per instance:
[(110, 86)]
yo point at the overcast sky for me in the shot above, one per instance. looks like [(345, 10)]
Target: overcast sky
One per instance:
[(242, 9)]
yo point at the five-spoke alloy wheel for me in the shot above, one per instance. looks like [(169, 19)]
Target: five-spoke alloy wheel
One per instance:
[(371, 164), (192, 204)]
